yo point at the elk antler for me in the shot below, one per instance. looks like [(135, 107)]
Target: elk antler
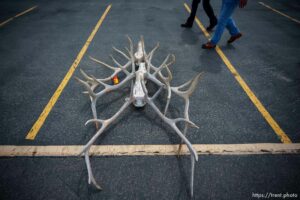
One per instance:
[(139, 95)]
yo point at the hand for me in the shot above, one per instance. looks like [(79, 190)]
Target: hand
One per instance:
[(243, 3)]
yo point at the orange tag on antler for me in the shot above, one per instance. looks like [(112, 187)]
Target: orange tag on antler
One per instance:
[(115, 80)]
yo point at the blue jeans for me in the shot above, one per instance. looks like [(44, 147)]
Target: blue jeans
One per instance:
[(225, 20)]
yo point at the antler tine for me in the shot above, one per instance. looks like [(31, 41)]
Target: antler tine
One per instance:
[(154, 80), (169, 77), (186, 125), (115, 69), (165, 61), (105, 124), (98, 81), (115, 73), (185, 95), (193, 83), (87, 86), (150, 66), (165, 85), (172, 124), (130, 51), (109, 88), (93, 98), (157, 93), (90, 80), (186, 120), (165, 64), (108, 78), (115, 61), (150, 55), (102, 63), (119, 65), (143, 46), (130, 43), (168, 98), (87, 77), (91, 178), (121, 52), (192, 175), (172, 60), (167, 81), (148, 59), (94, 111)]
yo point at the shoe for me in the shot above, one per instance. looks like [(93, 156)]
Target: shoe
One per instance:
[(234, 38), (211, 26), (187, 25), (208, 45)]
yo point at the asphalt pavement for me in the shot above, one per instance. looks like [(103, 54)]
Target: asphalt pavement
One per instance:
[(38, 48)]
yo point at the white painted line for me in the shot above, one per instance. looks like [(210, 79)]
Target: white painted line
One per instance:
[(150, 150), (281, 13)]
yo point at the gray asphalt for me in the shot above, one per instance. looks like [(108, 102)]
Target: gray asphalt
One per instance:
[(216, 177), (37, 50)]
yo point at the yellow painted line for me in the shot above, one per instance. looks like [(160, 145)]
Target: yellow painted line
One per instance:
[(40, 121), (281, 134), (277, 11), (18, 15), (151, 150)]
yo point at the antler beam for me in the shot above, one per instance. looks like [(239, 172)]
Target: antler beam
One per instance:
[(141, 70)]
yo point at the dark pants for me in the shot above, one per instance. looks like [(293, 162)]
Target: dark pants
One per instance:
[(207, 8)]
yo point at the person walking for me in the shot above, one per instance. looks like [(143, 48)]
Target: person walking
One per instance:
[(225, 20), (209, 12)]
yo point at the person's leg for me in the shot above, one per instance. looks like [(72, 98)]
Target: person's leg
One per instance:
[(195, 4), (228, 8), (232, 28), (189, 22), (211, 15)]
